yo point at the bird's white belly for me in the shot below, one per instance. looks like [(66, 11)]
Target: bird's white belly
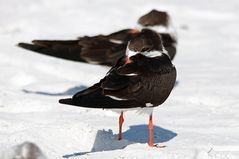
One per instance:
[(141, 111)]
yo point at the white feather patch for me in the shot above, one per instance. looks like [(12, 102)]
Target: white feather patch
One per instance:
[(151, 53), (149, 104), (115, 98), (141, 111), (131, 74), (93, 62), (162, 29), (170, 29), (129, 52), (156, 28), (145, 111), (116, 41)]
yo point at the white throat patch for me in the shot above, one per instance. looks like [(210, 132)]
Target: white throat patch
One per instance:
[(170, 29), (129, 52), (152, 53)]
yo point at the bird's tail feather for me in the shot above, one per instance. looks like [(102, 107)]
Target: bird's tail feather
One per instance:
[(69, 50)]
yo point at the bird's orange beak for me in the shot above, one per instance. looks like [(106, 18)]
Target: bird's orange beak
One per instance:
[(127, 60), (134, 31)]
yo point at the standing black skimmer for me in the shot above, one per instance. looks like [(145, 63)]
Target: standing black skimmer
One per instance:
[(141, 80), (106, 49)]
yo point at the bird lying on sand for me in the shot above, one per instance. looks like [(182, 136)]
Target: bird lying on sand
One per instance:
[(107, 49)]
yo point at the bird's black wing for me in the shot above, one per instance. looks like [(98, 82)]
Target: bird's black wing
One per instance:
[(147, 80), (69, 50), (142, 82), (100, 49), (101, 94)]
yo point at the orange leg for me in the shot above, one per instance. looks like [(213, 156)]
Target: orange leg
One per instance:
[(151, 131), (121, 120)]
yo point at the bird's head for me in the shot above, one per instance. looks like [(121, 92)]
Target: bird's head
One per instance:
[(154, 18), (147, 42)]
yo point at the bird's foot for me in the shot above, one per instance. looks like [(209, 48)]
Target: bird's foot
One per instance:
[(157, 146)]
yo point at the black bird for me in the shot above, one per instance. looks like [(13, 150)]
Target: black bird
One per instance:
[(140, 80), (106, 49)]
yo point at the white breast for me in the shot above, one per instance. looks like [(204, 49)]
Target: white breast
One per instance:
[(141, 111)]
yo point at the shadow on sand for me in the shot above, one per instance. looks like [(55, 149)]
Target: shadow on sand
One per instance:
[(106, 140), (70, 91)]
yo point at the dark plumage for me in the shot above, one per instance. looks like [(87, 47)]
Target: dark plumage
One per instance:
[(153, 83), (169, 43), (101, 49), (141, 81), (154, 17)]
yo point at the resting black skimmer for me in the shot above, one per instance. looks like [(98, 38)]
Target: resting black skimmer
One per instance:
[(140, 80), (106, 49)]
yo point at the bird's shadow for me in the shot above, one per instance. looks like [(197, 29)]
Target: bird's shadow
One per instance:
[(106, 140), (176, 84), (68, 92)]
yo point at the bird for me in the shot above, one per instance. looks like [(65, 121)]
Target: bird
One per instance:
[(106, 49), (140, 80)]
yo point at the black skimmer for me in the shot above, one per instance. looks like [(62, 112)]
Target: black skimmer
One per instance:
[(106, 49), (141, 80)]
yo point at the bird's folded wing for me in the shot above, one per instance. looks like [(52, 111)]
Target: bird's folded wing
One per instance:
[(113, 91), (97, 49), (122, 36), (120, 75), (69, 49), (93, 97), (101, 50), (121, 86), (115, 82)]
